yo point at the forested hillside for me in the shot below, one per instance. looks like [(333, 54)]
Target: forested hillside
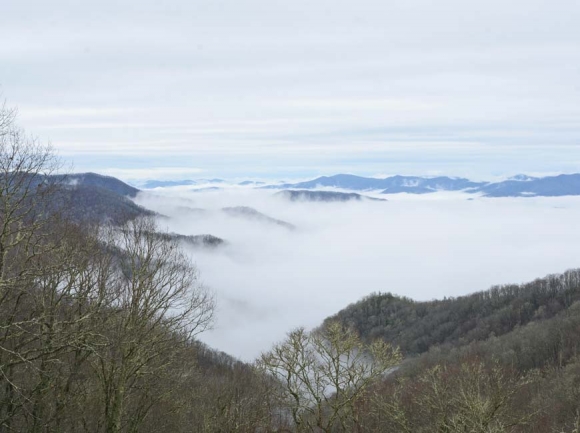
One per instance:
[(418, 326), (502, 360), (108, 183), (94, 204), (99, 311)]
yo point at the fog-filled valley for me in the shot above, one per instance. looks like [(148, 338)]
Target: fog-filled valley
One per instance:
[(307, 216), (218, 307), (269, 278)]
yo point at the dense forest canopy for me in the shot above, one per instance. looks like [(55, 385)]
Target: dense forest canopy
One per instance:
[(418, 326)]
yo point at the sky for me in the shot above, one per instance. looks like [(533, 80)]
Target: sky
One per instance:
[(269, 280), (293, 89)]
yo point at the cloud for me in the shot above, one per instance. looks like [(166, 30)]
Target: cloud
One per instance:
[(256, 77), (170, 173), (270, 280)]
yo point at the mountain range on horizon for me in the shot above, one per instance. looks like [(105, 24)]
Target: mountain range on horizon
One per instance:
[(517, 186), (520, 185)]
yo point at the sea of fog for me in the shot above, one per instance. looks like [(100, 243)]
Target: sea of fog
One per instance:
[(269, 280)]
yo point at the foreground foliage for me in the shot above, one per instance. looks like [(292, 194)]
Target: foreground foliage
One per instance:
[(324, 373)]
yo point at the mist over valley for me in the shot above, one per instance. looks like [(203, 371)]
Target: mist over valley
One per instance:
[(269, 279), (306, 216)]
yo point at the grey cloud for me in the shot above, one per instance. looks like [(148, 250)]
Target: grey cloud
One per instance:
[(265, 76)]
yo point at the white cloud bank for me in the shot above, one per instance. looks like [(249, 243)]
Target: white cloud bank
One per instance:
[(270, 280)]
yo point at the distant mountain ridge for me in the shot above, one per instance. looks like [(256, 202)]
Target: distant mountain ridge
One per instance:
[(520, 185), (389, 185), (517, 186), (324, 196), (552, 186)]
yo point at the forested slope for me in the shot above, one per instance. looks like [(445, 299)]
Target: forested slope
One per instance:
[(99, 312), (94, 204), (418, 326), (501, 360)]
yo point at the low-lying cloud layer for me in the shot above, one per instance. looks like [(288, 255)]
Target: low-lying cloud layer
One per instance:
[(269, 279)]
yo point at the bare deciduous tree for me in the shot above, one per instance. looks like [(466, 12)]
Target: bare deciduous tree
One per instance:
[(158, 301), (26, 240), (322, 375), (471, 397)]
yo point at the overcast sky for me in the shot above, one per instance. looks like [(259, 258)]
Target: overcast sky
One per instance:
[(281, 89)]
